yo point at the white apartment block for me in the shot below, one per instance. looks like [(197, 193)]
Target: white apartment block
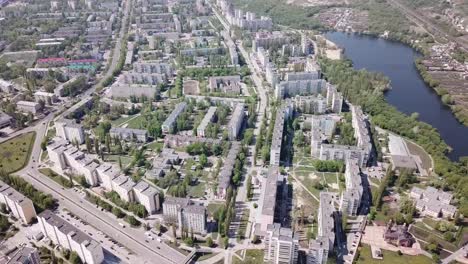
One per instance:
[(318, 251), (105, 174), (67, 236), (208, 118), (29, 107), (281, 245), (302, 83), (19, 205), (148, 196), (224, 178), (24, 255), (326, 217), (154, 67), (123, 186), (69, 130), (237, 119), (120, 90), (351, 197), (311, 104), (189, 217)]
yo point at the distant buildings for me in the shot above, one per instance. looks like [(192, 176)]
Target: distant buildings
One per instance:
[(67, 236), (225, 84), (433, 202), (267, 39), (129, 134), (69, 130), (281, 245), (188, 216), (247, 20), (19, 205), (235, 124), (169, 123)]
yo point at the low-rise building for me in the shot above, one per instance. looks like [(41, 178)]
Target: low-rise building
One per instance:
[(48, 98), (433, 202), (19, 205), (67, 236), (281, 245), (398, 235), (129, 134), (29, 107), (6, 86), (23, 255)]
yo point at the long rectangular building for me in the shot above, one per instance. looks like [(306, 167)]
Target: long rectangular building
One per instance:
[(281, 115), (168, 124), (62, 233), (237, 119), (206, 120), (19, 205)]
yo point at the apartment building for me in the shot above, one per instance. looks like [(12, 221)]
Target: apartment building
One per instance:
[(188, 216), (207, 119), (224, 178), (148, 196), (28, 107), (48, 98), (69, 130), (282, 114), (268, 205), (169, 123), (123, 186), (237, 119), (361, 128), (143, 78), (343, 153), (67, 236), (129, 134), (163, 163), (17, 204), (158, 67), (311, 104), (299, 83), (334, 98), (281, 245), (319, 248), (351, 197), (266, 39), (121, 90), (6, 86), (106, 173)]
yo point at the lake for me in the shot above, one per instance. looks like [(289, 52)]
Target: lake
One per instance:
[(409, 93)]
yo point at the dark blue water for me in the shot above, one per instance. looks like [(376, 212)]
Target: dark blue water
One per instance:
[(409, 92)]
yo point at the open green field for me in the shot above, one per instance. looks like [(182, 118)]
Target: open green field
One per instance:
[(389, 257), (14, 153), (251, 256)]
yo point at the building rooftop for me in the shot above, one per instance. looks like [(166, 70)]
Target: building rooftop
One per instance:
[(65, 227), (12, 194)]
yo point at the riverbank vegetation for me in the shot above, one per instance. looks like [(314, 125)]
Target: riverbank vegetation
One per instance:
[(362, 88)]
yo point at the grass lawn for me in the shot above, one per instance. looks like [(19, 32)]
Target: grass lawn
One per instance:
[(15, 153), (136, 123), (422, 232), (155, 145), (115, 158), (251, 256), (51, 132), (197, 190), (120, 121), (389, 257), (57, 178), (213, 207), (243, 224)]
